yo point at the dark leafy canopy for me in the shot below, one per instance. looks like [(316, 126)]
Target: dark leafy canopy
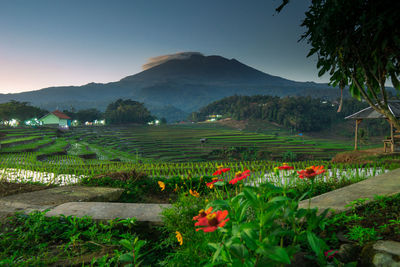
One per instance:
[(298, 113), (358, 44), (84, 115), (127, 111), (20, 110)]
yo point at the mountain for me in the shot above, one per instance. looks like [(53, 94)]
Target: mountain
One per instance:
[(180, 85)]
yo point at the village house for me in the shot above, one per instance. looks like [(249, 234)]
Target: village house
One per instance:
[(57, 119)]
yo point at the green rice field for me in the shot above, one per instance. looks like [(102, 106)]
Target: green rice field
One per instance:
[(181, 143)]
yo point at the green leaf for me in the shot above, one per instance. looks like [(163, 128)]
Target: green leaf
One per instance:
[(126, 244), (275, 253), (249, 236), (220, 183), (278, 199), (251, 197), (316, 244), (239, 251), (127, 257), (218, 204)]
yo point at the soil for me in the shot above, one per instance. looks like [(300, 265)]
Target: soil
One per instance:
[(361, 156), (7, 189)]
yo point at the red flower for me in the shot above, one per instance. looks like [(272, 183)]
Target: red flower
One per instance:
[(240, 176), (212, 221), (203, 213), (330, 253), (311, 172), (220, 171), (211, 184), (285, 166)]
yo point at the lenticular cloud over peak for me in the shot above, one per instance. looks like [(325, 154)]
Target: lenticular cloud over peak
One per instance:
[(155, 61)]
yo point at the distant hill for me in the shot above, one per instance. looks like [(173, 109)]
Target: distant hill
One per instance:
[(179, 86)]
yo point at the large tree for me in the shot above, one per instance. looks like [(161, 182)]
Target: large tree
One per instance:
[(19, 110), (127, 111), (357, 43)]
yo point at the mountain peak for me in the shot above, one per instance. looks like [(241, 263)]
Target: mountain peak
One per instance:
[(155, 61)]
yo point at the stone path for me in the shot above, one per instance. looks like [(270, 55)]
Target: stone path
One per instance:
[(81, 201), (143, 212), (384, 184), (50, 198)]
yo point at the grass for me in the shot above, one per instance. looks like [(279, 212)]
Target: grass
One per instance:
[(182, 142)]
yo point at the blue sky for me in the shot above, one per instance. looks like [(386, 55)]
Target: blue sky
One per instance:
[(71, 42)]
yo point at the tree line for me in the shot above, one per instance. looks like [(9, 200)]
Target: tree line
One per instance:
[(304, 114), (120, 111)]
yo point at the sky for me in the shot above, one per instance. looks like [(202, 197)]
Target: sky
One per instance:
[(47, 43)]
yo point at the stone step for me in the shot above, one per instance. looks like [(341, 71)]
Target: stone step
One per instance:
[(49, 198), (382, 185), (143, 212)]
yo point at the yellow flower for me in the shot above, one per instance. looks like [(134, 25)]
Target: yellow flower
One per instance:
[(179, 238), (194, 193), (220, 166), (162, 185), (206, 200)]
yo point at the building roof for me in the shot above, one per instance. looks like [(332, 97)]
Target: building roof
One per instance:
[(370, 113), (60, 115)]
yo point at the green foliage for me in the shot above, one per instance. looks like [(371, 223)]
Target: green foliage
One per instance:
[(362, 235), (38, 240), (138, 186), (19, 110), (84, 115), (127, 111), (366, 222), (194, 250), (266, 228), (299, 113), (357, 44)]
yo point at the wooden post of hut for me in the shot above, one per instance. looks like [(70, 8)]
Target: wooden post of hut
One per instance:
[(356, 134), (370, 113), (391, 138)]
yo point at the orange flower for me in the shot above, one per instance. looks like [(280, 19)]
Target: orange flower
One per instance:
[(212, 221), (179, 238), (162, 185), (285, 166), (211, 184), (203, 213), (311, 172), (240, 176), (220, 171), (194, 193)]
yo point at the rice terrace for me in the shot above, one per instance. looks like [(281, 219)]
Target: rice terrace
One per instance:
[(118, 148)]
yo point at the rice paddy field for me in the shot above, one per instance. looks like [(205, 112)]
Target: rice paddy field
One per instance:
[(181, 143), (49, 156)]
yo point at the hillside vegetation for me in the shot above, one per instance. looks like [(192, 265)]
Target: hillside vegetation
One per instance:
[(304, 114)]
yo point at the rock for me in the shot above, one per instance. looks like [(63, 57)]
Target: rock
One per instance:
[(384, 184), (390, 247), (45, 199), (143, 212), (381, 254), (348, 253)]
